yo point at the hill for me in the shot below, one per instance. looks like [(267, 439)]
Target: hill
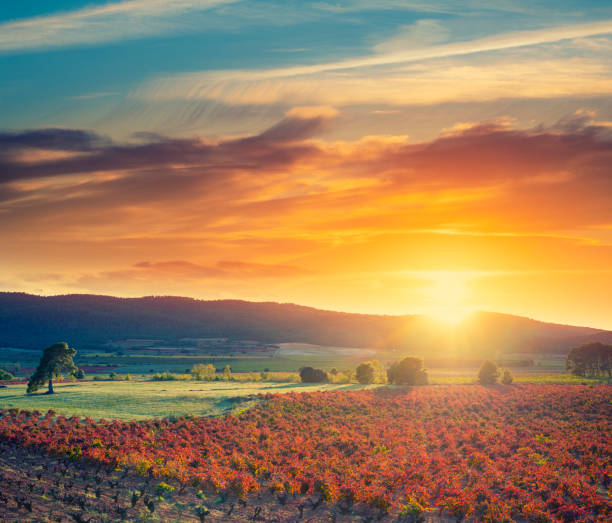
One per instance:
[(90, 321)]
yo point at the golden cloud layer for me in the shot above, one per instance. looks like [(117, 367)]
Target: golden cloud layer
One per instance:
[(283, 215)]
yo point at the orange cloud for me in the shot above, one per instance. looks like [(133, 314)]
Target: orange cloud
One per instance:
[(222, 269), (305, 215)]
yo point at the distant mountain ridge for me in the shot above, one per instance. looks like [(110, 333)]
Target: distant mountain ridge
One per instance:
[(89, 321)]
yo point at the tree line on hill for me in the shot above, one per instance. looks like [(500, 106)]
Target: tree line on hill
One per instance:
[(92, 322)]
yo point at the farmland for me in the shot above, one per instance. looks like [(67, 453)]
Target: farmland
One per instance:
[(521, 452)]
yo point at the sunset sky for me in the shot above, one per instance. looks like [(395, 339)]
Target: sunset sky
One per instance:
[(430, 157)]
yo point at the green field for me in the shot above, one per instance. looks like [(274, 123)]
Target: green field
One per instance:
[(143, 398), (133, 400)]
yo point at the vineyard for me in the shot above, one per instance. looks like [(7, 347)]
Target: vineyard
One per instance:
[(525, 452)]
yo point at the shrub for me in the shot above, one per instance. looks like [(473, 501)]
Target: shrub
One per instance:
[(365, 373), (5, 375), (169, 376), (507, 377), (310, 375), (163, 488), (203, 372), (346, 376), (412, 509), (408, 371), (79, 374), (488, 373)]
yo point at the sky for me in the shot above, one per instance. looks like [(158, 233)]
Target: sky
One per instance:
[(392, 157)]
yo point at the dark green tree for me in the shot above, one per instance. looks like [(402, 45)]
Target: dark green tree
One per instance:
[(507, 377), (365, 373), (5, 375), (590, 359), (409, 371), (488, 373), (55, 358), (310, 375)]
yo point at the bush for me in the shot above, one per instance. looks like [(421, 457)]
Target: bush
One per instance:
[(507, 377), (79, 374), (5, 375), (408, 371), (488, 373), (346, 376), (169, 376), (310, 375), (163, 488), (365, 373), (203, 372)]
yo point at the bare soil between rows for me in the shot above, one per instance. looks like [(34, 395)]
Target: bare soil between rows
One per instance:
[(38, 487)]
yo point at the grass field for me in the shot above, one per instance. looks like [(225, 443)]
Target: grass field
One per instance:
[(134, 400), (142, 398)]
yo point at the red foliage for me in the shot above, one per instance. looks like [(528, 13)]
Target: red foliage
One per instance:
[(536, 452)]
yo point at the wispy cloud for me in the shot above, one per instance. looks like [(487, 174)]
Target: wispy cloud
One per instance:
[(491, 78), (92, 96), (133, 19), (440, 6), (195, 85), (406, 70), (127, 20)]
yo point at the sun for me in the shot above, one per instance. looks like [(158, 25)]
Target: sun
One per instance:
[(448, 297)]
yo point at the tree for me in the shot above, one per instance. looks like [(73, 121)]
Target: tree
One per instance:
[(310, 375), (488, 373), (55, 358), (203, 372), (227, 373), (408, 371), (507, 377), (5, 375), (365, 373), (79, 374), (590, 359)]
